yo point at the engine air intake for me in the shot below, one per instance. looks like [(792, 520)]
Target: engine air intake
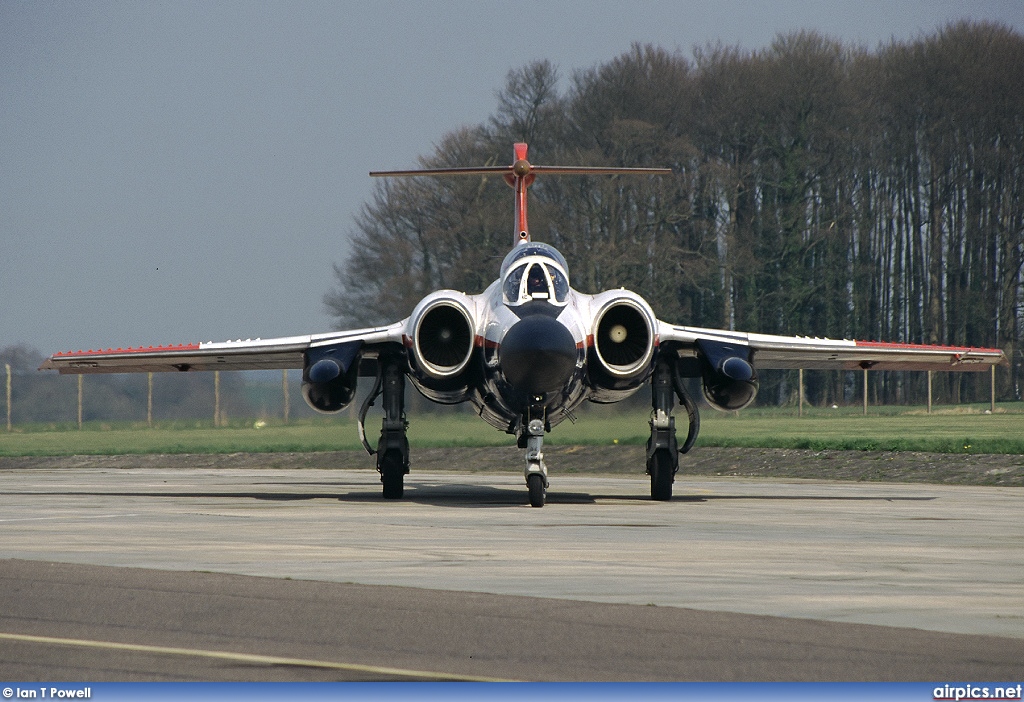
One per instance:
[(444, 340), (623, 339)]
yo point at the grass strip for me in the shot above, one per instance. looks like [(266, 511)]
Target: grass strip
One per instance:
[(911, 430)]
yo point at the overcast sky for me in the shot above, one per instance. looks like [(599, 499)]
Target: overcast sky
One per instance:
[(189, 171)]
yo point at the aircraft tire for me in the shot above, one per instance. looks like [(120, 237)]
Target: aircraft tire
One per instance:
[(535, 484), (662, 470), (392, 475)]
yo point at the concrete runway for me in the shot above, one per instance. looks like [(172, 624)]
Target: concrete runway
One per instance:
[(943, 559)]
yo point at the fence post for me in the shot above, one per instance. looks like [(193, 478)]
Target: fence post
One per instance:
[(284, 391), (80, 378), (801, 412), (216, 398), (865, 392), (149, 400), (7, 366), (992, 404), (930, 391)]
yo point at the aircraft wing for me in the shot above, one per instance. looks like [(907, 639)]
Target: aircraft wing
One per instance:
[(771, 351), (250, 354)]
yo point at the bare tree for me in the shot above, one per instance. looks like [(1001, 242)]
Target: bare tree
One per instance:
[(818, 189)]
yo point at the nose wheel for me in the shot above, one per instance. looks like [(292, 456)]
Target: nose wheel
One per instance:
[(536, 470), (538, 492)]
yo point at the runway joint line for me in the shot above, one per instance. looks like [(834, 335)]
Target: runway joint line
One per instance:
[(247, 658)]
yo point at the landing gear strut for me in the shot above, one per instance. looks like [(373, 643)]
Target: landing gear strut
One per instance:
[(532, 438), (662, 449), (393, 445)]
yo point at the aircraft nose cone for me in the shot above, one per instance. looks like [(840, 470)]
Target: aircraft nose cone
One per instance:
[(538, 355)]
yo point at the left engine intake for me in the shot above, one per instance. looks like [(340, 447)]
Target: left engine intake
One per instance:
[(442, 337)]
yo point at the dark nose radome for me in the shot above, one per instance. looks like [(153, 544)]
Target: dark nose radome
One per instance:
[(538, 355)]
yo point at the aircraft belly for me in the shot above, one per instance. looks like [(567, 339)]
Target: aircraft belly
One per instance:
[(497, 400), (496, 403)]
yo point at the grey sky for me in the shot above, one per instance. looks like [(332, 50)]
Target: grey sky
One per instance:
[(176, 171)]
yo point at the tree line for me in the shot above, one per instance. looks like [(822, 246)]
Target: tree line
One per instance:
[(819, 189)]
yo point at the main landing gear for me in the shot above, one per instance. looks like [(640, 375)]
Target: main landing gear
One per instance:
[(393, 445), (662, 448)]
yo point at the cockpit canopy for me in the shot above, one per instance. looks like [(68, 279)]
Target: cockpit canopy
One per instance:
[(534, 271)]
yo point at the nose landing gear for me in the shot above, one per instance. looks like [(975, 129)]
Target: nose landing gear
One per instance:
[(536, 470)]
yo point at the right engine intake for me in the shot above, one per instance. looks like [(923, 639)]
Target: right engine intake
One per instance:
[(622, 355), (624, 340)]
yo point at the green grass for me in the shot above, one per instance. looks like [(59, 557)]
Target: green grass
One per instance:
[(997, 433), (947, 430)]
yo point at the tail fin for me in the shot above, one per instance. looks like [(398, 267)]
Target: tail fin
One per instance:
[(520, 175)]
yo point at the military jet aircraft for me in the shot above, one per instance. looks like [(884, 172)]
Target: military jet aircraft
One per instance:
[(527, 351)]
